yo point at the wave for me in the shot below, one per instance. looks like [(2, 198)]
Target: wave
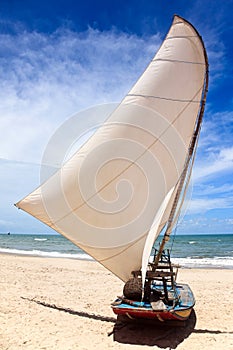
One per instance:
[(40, 239), (188, 262), (80, 256), (215, 262)]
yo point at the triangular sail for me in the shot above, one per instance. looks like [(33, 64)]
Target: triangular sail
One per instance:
[(124, 179)]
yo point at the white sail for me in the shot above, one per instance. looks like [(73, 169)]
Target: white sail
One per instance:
[(113, 197)]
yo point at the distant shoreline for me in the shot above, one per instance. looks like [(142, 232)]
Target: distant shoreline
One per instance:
[(213, 251), (87, 258)]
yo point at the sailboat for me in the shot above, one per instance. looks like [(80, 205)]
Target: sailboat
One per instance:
[(126, 185)]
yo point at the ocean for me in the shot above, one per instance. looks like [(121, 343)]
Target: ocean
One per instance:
[(199, 251)]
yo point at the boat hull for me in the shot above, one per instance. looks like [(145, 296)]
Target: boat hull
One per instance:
[(180, 315), (139, 310)]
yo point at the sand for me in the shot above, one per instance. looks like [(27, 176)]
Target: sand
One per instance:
[(65, 304)]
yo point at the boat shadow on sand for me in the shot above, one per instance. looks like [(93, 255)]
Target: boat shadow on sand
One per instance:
[(153, 333), (126, 331), (136, 332)]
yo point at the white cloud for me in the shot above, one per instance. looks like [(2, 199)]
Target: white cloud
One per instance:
[(218, 163), (202, 205), (217, 130), (202, 224), (212, 189), (212, 179), (212, 171), (46, 79), (226, 154)]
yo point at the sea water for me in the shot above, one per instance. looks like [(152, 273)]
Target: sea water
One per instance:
[(199, 251)]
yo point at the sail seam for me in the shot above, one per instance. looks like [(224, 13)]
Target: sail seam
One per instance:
[(178, 22), (181, 37), (124, 249), (177, 61), (164, 98), (148, 148)]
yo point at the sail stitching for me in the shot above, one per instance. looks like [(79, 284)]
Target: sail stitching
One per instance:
[(177, 61), (124, 249), (180, 37), (178, 22), (115, 177), (164, 98)]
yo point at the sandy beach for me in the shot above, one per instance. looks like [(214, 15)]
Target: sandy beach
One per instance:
[(65, 304)]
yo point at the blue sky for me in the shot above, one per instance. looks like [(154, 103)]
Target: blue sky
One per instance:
[(60, 57)]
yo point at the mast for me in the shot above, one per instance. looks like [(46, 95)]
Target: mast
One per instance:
[(175, 210)]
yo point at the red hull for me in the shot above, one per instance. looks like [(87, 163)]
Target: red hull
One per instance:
[(181, 315)]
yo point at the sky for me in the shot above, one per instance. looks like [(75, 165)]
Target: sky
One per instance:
[(58, 58)]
